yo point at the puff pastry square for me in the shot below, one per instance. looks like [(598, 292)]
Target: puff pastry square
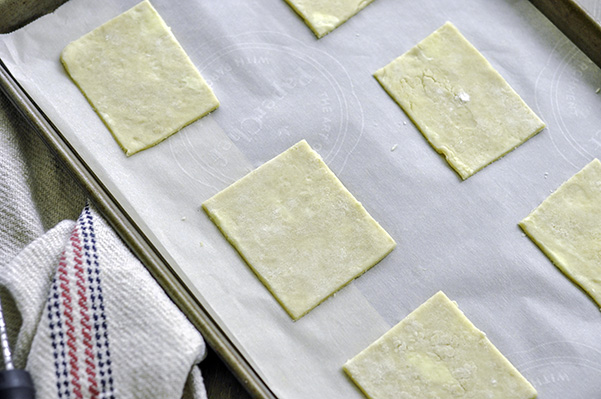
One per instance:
[(300, 230), (138, 78), (567, 228), (323, 16), (436, 352), (460, 103)]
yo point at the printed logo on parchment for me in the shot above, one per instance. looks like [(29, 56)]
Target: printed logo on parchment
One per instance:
[(275, 91), (562, 369), (569, 89)]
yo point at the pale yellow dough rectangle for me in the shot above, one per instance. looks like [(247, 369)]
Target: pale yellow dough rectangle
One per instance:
[(567, 228), (460, 103), (436, 352), (300, 230), (138, 78), (323, 16)]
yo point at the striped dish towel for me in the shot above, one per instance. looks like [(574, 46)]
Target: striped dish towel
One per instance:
[(94, 323)]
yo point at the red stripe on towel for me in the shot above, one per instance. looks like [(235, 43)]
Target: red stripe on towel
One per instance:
[(71, 338), (84, 312)]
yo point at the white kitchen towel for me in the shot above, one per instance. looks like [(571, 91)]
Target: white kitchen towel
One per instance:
[(27, 278), (107, 329), (84, 315)]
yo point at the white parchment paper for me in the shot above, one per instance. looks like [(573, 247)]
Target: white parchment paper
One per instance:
[(277, 85)]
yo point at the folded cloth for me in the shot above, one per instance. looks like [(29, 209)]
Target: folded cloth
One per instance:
[(85, 317)]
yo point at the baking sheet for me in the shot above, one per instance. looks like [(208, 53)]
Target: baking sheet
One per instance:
[(592, 7), (277, 84)]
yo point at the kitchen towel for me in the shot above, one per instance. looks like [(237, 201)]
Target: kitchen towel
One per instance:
[(85, 317)]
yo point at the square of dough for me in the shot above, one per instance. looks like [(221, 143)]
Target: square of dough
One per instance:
[(436, 352), (567, 228), (138, 78), (323, 16), (463, 107), (300, 230)]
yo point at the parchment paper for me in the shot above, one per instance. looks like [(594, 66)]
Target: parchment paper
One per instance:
[(277, 85)]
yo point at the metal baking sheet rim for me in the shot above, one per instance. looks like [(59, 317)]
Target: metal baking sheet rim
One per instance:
[(139, 244)]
